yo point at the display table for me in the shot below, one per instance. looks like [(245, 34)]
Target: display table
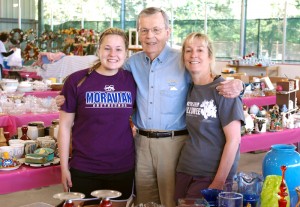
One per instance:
[(42, 94), (265, 140), (260, 101), (26, 178)]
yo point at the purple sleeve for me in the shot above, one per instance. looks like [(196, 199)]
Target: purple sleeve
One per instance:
[(69, 91)]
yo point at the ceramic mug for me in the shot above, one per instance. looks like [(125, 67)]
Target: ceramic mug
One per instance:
[(8, 149), (48, 144), (30, 147), (18, 150)]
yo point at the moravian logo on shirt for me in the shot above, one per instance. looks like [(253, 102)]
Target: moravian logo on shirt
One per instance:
[(108, 98)]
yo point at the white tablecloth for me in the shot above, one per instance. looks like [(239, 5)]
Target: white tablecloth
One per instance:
[(66, 65)]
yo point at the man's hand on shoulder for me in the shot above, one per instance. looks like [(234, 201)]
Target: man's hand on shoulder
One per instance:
[(59, 100), (231, 88)]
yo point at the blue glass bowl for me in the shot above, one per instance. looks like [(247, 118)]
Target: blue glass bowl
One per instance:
[(211, 195)]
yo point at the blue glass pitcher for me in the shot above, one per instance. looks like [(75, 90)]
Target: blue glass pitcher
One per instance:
[(250, 185)]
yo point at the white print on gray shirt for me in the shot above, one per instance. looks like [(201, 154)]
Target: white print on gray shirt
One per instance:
[(206, 109)]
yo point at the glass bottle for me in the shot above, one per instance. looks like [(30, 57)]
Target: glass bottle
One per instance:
[(24, 133)]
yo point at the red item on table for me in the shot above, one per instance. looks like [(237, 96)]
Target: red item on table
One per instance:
[(69, 203), (106, 202), (282, 202), (24, 133)]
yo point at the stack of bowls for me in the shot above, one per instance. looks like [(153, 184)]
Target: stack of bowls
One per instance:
[(9, 85)]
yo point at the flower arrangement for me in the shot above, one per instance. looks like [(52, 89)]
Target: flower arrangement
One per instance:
[(86, 36), (30, 36), (69, 31), (16, 36), (31, 52), (49, 35)]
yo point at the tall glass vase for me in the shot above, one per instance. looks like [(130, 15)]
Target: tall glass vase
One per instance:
[(284, 154)]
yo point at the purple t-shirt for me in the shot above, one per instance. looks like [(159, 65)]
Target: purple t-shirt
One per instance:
[(102, 139)]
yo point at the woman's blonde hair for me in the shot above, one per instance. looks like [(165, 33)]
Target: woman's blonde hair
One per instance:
[(209, 44), (109, 31)]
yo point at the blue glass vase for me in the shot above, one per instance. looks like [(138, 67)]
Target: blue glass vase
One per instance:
[(284, 154)]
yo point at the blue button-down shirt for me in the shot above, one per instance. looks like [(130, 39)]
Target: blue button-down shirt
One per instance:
[(162, 90)]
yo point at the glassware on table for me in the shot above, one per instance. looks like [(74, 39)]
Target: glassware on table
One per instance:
[(211, 195), (69, 197), (282, 202), (105, 196), (230, 199), (192, 202), (249, 184), (149, 204)]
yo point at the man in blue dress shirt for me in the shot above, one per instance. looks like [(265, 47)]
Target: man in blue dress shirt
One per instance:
[(162, 84)]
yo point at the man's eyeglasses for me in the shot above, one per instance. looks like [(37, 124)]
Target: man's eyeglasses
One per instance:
[(155, 30)]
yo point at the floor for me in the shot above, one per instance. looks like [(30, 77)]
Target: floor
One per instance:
[(250, 162)]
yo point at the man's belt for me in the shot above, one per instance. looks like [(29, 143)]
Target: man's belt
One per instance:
[(157, 134)]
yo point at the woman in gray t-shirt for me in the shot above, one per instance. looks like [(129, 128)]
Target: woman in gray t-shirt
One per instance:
[(210, 156)]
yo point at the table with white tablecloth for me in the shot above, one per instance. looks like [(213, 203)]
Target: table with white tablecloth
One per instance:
[(66, 66)]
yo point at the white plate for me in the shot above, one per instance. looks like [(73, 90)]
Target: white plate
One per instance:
[(106, 194), (10, 168), (68, 195), (54, 162)]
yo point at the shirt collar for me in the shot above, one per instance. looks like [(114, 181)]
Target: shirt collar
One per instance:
[(161, 57)]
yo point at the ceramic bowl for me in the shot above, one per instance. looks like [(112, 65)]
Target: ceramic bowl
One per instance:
[(9, 85), (25, 86)]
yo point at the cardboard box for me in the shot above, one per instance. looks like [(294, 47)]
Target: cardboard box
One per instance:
[(242, 76), (287, 85)]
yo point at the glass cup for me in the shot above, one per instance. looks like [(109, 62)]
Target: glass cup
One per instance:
[(230, 199)]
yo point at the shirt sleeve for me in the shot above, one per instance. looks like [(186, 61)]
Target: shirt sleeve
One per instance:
[(6, 54), (230, 109), (70, 92)]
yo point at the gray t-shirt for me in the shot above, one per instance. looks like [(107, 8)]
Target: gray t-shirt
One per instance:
[(207, 113)]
